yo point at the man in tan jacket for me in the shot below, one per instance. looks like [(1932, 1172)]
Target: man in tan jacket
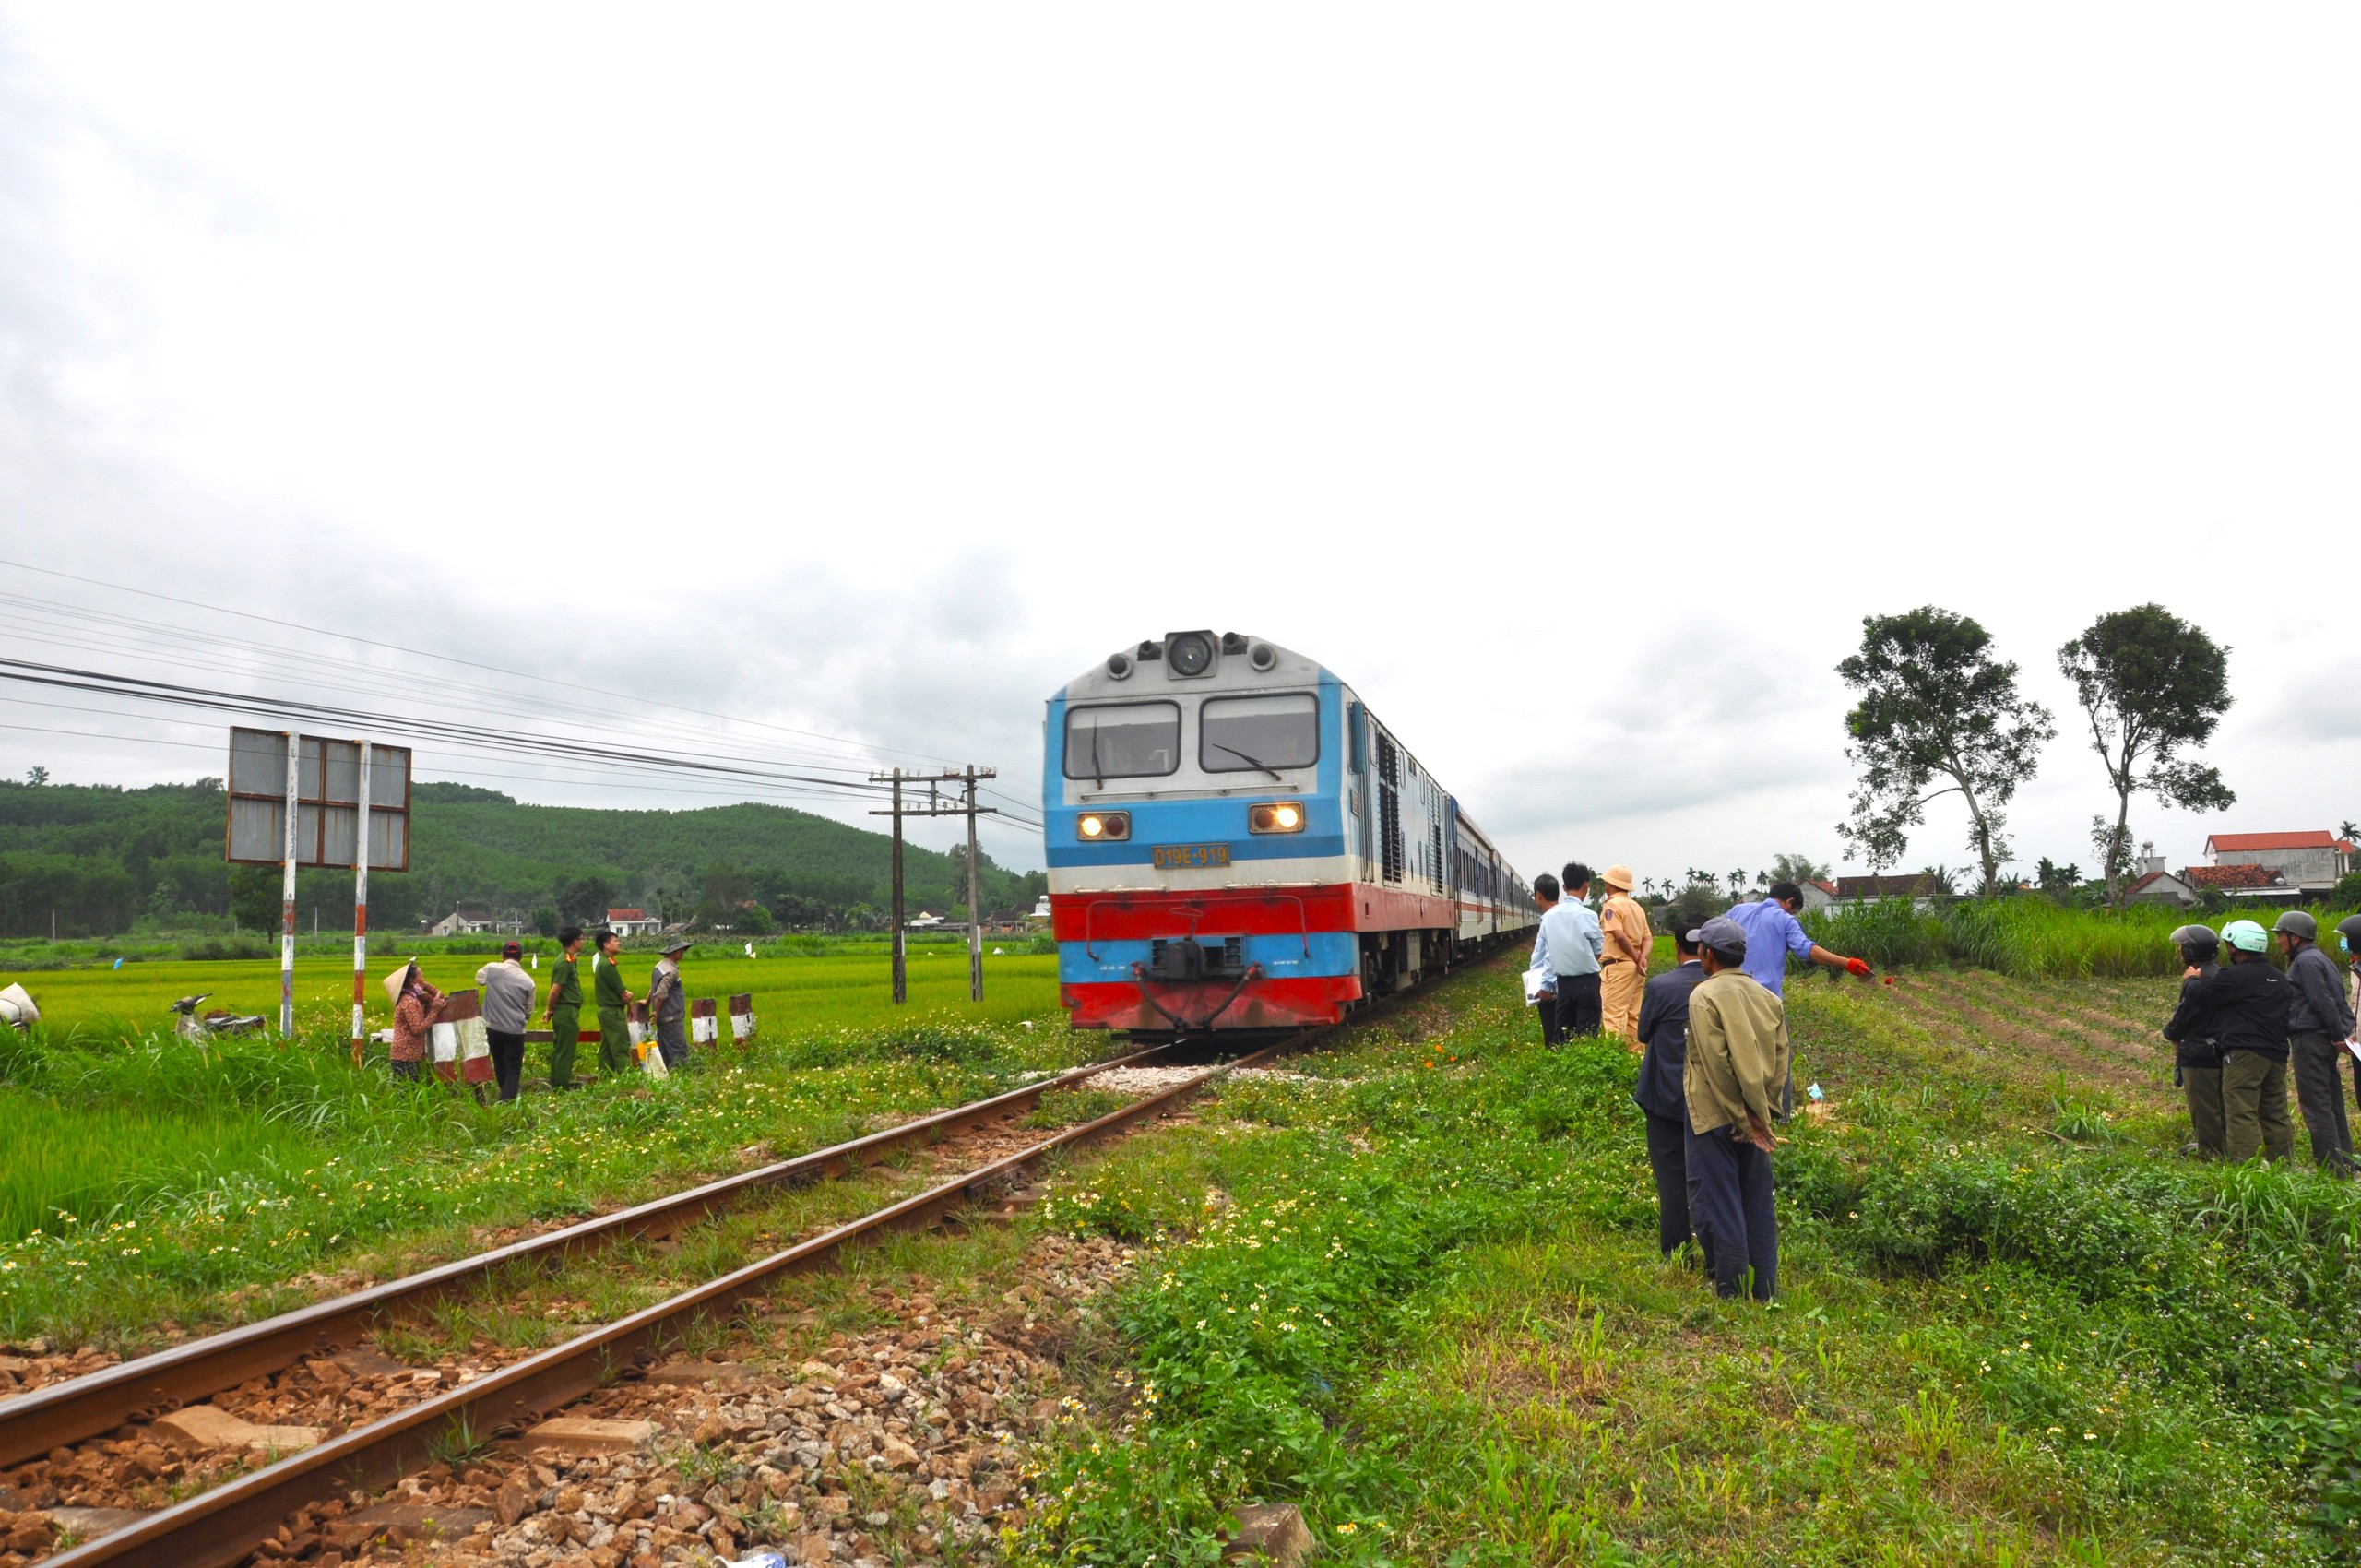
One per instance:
[(1736, 1085), (1623, 971)]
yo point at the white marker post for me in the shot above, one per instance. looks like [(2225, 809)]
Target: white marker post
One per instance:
[(361, 913), (286, 891)]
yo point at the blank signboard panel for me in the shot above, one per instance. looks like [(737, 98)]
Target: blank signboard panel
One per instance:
[(328, 814)]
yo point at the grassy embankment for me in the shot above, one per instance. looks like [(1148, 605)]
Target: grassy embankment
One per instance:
[(145, 1179), (1421, 1298), (2029, 937)]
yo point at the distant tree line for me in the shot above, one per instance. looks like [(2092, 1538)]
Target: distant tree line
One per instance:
[(109, 862)]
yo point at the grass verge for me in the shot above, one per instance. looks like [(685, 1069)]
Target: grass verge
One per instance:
[(1423, 1301)]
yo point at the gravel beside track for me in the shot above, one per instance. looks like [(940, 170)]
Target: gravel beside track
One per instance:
[(146, 1466)]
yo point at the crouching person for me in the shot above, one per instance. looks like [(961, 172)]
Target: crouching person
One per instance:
[(2197, 1065), (2245, 1007), (1734, 1084), (1664, 1039)]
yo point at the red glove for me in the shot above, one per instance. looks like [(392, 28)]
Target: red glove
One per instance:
[(1856, 966)]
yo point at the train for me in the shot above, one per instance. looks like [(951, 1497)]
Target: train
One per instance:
[(1238, 845)]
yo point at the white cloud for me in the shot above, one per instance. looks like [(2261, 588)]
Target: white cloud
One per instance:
[(1571, 383)]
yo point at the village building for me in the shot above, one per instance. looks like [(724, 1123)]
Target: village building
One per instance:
[(1918, 887), (2243, 882), (1817, 895), (2307, 863), (476, 922), (634, 922), (2163, 887)]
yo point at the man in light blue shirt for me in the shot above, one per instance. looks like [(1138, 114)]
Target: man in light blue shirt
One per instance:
[(1773, 932), (1569, 946), (1545, 1002)]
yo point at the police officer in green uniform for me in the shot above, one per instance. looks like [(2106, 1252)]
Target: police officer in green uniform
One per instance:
[(614, 1030), (565, 1008)]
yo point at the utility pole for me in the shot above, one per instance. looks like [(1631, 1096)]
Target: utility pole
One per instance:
[(901, 958), (975, 907), (936, 807)]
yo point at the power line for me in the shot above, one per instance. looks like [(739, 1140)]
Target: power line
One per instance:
[(372, 680), (453, 659), (426, 761), (172, 693)]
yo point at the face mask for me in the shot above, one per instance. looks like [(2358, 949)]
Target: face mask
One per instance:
[(2340, 944)]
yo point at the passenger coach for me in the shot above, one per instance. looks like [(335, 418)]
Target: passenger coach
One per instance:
[(1235, 842)]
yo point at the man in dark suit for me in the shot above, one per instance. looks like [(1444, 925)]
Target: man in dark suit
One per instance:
[(1664, 1039)]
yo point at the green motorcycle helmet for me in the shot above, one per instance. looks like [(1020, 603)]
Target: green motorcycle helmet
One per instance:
[(2246, 936)]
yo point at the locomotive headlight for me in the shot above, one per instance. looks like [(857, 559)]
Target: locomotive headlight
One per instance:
[(1094, 827), (1279, 816)]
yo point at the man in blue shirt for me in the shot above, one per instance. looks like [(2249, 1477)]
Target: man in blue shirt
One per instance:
[(1544, 899), (1773, 932), (1570, 946)]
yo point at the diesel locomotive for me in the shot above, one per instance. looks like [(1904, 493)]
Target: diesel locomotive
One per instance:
[(1237, 843)]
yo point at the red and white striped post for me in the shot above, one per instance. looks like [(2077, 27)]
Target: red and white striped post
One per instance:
[(360, 914), (286, 893)]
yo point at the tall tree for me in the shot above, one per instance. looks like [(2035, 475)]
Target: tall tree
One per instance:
[(1798, 869), (2153, 687), (1938, 716)]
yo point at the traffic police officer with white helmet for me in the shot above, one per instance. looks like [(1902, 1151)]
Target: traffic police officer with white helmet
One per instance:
[(2244, 1007)]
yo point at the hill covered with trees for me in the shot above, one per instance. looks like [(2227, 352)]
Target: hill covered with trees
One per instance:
[(109, 861)]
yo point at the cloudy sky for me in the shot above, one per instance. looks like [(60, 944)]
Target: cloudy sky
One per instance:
[(1572, 381)]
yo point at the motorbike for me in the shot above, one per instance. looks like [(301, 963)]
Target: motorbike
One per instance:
[(192, 1024)]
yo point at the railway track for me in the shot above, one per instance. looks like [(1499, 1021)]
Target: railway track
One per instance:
[(226, 1525), (86, 1407)]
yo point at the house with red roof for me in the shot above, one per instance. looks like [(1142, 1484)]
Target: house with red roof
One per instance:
[(2307, 863), (2161, 887)]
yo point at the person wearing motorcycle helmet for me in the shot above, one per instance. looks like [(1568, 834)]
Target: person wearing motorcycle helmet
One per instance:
[(2348, 942), (2197, 1065), (2318, 1024), (2244, 1006)]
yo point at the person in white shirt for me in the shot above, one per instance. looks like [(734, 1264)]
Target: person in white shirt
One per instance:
[(508, 993), (1574, 944), (1545, 1001)]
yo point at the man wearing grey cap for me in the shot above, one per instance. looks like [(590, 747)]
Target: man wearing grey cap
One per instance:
[(1734, 1083), (667, 1006)]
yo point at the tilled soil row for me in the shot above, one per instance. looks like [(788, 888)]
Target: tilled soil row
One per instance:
[(1950, 1007), (97, 1486)]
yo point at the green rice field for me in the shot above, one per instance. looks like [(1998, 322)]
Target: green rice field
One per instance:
[(789, 990), (147, 1181)]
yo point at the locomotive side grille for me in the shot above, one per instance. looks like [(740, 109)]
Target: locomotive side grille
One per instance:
[(1389, 806), (1436, 859)]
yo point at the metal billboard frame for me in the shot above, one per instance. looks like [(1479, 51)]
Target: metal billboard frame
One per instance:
[(329, 802)]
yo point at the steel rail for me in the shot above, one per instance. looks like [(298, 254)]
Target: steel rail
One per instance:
[(87, 1406), (221, 1527)]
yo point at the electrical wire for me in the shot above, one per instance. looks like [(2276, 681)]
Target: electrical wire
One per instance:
[(67, 625), (424, 762), (453, 659)]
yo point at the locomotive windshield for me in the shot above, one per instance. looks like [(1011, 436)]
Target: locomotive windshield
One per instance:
[(1259, 734), (1133, 741)]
